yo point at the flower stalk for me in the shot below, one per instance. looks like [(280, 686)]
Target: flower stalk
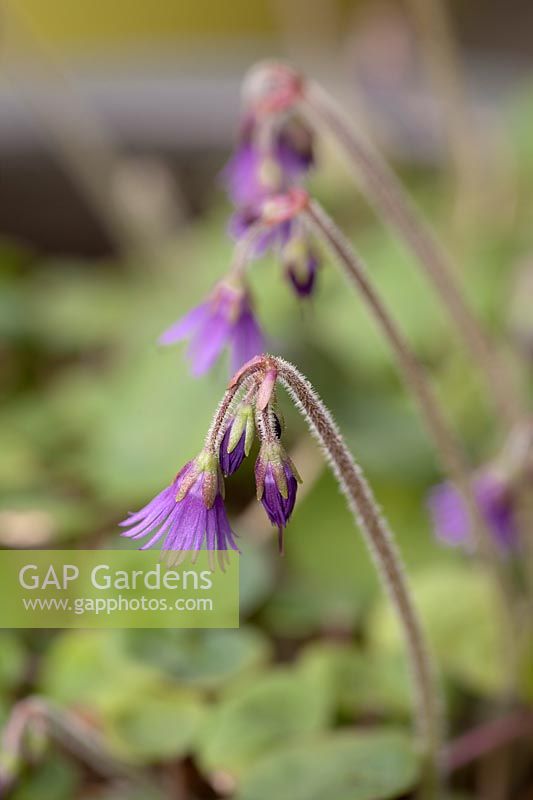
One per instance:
[(376, 532), (387, 195), (444, 439), (38, 714)]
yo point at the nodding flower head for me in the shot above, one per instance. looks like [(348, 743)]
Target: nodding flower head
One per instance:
[(495, 502), (276, 221), (254, 171), (275, 147), (267, 237), (277, 481), (225, 319), (188, 514), (301, 263), (237, 440)]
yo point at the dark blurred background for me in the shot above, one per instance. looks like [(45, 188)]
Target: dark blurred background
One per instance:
[(159, 84)]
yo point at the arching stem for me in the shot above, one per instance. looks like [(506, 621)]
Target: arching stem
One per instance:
[(379, 540), (443, 437), (67, 729), (397, 210)]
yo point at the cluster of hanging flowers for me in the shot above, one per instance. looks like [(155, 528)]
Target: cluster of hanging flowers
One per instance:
[(500, 488), (265, 179), (273, 156), (189, 514)]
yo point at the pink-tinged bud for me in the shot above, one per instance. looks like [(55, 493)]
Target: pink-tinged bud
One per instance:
[(264, 394), (253, 362), (284, 207), (271, 88)]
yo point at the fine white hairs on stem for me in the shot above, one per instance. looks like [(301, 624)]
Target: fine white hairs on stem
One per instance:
[(379, 540), (278, 86), (396, 209)]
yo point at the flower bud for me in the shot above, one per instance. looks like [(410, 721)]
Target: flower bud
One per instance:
[(237, 440), (277, 481), (301, 265)]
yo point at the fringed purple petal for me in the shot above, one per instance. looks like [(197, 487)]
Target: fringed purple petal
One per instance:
[(224, 534), (159, 501), (241, 176), (247, 340), (211, 530), (183, 525), (192, 514), (171, 522), (187, 325), (208, 343)]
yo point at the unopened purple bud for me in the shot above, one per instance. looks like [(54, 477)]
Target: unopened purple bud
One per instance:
[(277, 483), (237, 439), (301, 265), (231, 461)]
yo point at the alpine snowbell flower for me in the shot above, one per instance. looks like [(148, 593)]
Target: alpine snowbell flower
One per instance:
[(268, 159), (188, 514), (450, 516), (225, 319), (242, 221), (237, 440), (300, 263), (277, 480)]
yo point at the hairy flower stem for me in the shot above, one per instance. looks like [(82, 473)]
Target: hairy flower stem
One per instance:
[(445, 442), (391, 201), (379, 540), (443, 438), (70, 731)]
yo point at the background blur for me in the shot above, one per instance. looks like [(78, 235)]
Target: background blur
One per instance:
[(115, 120)]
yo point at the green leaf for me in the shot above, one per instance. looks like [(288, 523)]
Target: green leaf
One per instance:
[(201, 658), (459, 611), (342, 766), (360, 683), (12, 658), (155, 726), (256, 574), (127, 793), (89, 669), (272, 710), (55, 779)]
